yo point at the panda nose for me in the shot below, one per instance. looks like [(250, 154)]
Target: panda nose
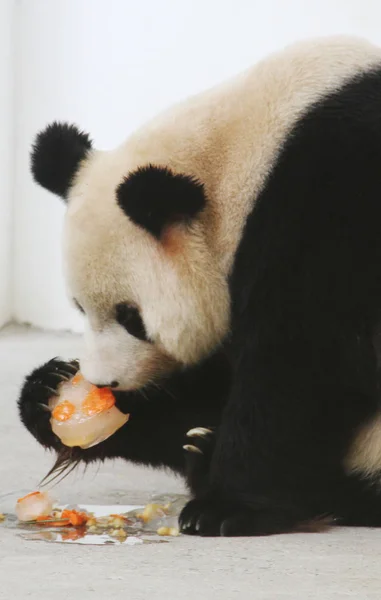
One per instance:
[(113, 384)]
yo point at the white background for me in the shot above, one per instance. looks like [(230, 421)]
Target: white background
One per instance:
[(109, 65), (6, 155)]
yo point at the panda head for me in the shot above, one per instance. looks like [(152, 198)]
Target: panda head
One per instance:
[(137, 257)]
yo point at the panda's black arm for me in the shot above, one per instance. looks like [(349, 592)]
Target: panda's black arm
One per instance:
[(160, 416)]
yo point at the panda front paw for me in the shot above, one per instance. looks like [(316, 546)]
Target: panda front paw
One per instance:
[(198, 455), (205, 515), (35, 394), (213, 514)]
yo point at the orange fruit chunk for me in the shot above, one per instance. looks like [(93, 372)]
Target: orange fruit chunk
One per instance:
[(97, 401), (67, 517), (75, 518), (63, 411)]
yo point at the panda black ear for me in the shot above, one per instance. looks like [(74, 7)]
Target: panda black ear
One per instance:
[(154, 197), (56, 155)]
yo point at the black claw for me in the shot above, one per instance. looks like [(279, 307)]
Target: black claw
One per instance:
[(59, 376), (65, 374), (198, 457), (51, 390)]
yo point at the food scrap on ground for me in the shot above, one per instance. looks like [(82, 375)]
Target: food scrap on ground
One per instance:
[(173, 531), (33, 506), (36, 510), (152, 511), (64, 518)]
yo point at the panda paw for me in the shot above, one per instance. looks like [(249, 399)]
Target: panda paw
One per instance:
[(214, 515), (35, 394), (198, 455)]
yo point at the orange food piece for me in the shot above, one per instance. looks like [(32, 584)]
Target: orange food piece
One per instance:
[(75, 518), (68, 517), (97, 401), (29, 496), (63, 411), (78, 378)]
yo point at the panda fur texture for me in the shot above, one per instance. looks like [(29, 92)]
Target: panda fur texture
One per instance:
[(227, 258)]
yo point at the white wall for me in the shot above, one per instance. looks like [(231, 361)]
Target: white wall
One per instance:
[(109, 65), (6, 155)]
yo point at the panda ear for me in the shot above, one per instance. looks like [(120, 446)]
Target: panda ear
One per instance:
[(56, 155), (155, 197)]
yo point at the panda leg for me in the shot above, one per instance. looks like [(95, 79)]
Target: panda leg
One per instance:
[(277, 462)]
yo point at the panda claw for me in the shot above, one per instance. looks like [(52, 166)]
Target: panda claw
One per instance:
[(52, 391), (199, 432), (60, 376), (65, 375), (191, 448)]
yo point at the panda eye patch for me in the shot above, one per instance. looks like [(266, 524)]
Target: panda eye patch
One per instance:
[(129, 317)]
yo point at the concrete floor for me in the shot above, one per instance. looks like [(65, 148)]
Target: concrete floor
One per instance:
[(338, 565)]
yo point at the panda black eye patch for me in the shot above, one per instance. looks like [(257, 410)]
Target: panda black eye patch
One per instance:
[(129, 317)]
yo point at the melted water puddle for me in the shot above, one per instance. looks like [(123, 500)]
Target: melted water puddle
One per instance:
[(109, 525)]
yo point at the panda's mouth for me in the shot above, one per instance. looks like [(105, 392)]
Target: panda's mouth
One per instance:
[(113, 385)]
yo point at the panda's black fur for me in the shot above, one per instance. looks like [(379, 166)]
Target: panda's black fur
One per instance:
[(65, 146), (137, 194), (304, 325), (282, 401)]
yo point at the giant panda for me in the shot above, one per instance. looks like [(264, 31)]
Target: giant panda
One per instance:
[(227, 260)]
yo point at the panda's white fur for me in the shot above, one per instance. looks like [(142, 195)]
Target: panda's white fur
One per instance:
[(228, 138), (364, 457)]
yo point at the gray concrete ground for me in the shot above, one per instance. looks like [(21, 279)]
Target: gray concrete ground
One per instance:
[(338, 565)]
